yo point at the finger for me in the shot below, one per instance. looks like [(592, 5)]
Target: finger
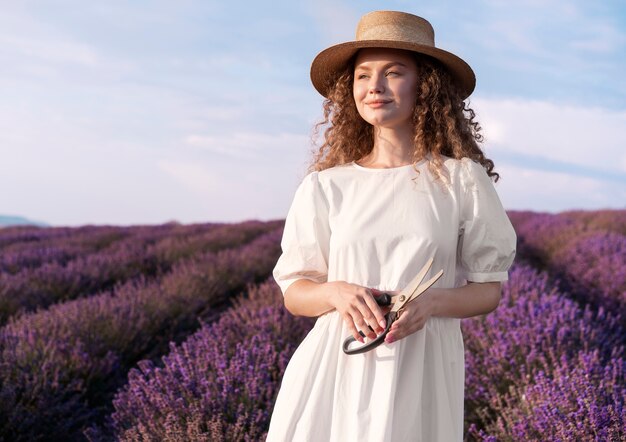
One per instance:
[(402, 325), (372, 314), (398, 330), (360, 323), (376, 314), (364, 319), (394, 334), (403, 322), (347, 317), (407, 324)]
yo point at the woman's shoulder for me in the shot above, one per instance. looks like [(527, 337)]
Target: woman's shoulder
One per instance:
[(331, 173), (322, 178), (457, 163), (464, 172), (464, 167)]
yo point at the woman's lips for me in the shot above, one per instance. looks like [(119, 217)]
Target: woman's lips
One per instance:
[(377, 103)]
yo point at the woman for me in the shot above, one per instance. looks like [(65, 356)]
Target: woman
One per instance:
[(399, 178)]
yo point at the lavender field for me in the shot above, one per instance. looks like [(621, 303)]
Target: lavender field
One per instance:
[(178, 333)]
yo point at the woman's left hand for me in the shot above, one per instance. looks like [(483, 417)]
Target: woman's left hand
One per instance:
[(413, 317)]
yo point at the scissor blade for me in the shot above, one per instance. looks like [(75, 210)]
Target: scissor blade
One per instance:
[(425, 286), (408, 291)]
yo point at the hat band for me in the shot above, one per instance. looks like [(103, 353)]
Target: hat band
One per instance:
[(386, 32)]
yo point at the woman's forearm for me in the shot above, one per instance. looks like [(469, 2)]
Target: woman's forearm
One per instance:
[(308, 298), (466, 301)]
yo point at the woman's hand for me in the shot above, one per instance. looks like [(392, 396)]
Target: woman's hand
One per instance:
[(358, 308), (413, 317)]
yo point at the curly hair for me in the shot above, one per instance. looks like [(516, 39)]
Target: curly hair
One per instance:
[(443, 123)]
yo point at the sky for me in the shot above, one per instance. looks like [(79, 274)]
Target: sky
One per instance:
[(140, 112)]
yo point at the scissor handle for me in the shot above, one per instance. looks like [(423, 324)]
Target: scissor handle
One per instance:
[(383, 300), (389, 319)]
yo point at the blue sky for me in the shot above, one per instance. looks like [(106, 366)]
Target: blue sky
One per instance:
[(146, 112)]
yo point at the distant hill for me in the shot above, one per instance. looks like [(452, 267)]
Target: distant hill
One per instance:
[(7, 220)]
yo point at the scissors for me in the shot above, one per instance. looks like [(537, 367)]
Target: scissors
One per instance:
[(415, 288)]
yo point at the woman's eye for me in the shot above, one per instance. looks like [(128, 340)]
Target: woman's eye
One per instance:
[(361, 76), (392, 73)]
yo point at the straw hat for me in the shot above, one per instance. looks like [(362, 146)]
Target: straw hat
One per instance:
[(389, 29)]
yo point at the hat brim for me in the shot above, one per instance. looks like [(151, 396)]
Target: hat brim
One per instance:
[(332, 60)]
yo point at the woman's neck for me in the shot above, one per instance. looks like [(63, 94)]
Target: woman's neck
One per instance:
[(392, 148)]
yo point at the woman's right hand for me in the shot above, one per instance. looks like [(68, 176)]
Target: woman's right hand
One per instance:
[(358, 308)]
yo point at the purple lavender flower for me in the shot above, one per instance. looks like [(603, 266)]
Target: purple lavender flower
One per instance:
[(221, 383), (530, 337), (60, 367), (594, 267), (145, 253)]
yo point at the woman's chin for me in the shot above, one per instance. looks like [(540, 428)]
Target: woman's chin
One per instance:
[(386, 124)]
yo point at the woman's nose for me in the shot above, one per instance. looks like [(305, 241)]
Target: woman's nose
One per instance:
[(376, 85)]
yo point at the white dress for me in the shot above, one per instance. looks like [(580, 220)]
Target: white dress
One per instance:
[(377, 228)]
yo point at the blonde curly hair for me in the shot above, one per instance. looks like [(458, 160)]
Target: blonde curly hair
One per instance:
[(443, 123)]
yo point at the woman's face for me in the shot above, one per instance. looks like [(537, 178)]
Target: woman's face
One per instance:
[(385, 86)]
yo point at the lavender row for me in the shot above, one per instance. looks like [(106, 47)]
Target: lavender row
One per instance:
[(593, 269), (30, 254), (540, 355), (600, 220), (34, 235), (581, 399), (220, 384), (177, 246), (59, 368), (63, 244), (576, 248), (55, 282), (25, 234), (14, 259), (19, 255), (542, 235)]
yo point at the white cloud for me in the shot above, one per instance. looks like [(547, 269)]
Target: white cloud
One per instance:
[(55, 50), (31, 47), (222, 113), (526, 189), (22, 35), (514, 34), (600, 38), (193, 176), (586, 136), (336, 21), (570, 40), (249, 145)]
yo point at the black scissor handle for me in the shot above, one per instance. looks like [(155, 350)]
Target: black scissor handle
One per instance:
[(383, 300), (389, 319)]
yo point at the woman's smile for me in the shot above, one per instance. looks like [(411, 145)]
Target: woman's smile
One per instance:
[(377, 103)]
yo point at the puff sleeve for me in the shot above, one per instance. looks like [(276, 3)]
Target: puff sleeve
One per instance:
[(306, 236), (487, 240)]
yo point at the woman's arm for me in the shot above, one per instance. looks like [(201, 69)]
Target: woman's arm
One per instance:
[(355, 303), (307, 298), (472, 299)]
